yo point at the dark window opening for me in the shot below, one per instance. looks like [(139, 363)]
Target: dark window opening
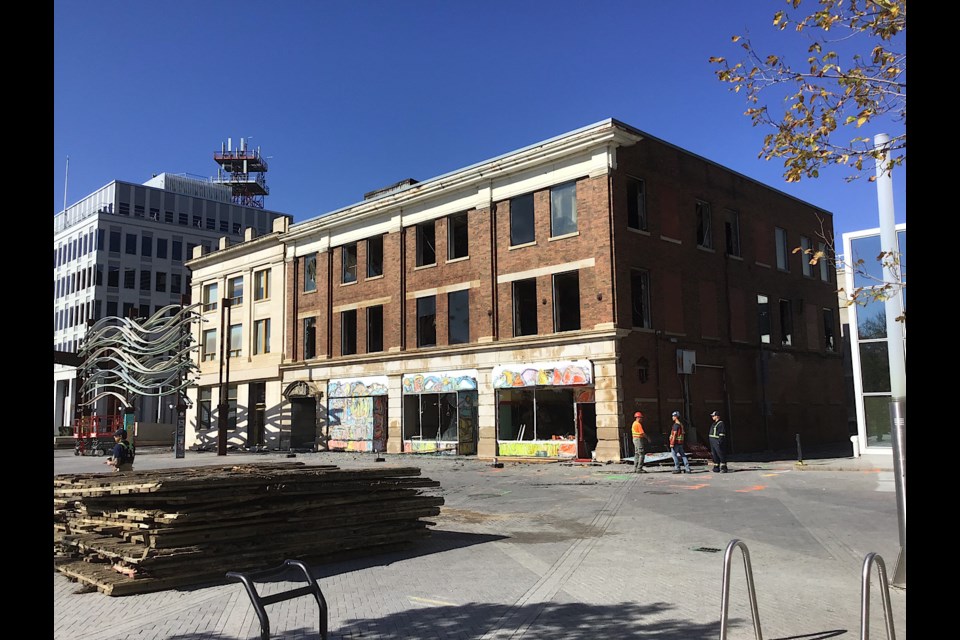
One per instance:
[(521, 220), (786, 323), (458, 317), (349, 263), (566, 301), (426, 321), (636, 204), (375, 257), (525, 307), (426, 243), (374, 329), (309, 338), (457, 237), (348, 332)]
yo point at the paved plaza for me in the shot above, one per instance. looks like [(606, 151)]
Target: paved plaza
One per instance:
[(561, 550)]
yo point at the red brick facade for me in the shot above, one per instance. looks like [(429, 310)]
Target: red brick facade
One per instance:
[(700, 299)]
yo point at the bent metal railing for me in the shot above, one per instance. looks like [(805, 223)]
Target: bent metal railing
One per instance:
[(751, 591), (873, 558), (260, 602)]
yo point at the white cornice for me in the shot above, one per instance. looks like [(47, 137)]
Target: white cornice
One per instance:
[(603, 134)]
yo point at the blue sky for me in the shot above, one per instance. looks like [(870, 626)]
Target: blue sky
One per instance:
[(347, 97)]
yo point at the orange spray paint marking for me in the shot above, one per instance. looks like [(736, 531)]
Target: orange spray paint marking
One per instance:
[(756, 487)]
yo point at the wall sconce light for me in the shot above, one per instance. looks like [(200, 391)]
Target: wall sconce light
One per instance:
[(544, 301), (599, 295)]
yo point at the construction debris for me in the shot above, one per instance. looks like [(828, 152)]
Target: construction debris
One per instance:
[(145, 531)]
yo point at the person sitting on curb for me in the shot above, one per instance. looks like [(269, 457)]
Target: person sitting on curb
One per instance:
[(121, 458)]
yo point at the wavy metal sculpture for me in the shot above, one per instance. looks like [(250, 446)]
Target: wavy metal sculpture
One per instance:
[(124, 357)]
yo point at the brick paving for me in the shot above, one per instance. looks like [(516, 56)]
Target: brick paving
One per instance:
[(561, 551)]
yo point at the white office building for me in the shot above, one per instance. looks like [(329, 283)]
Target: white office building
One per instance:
[(120, 251)]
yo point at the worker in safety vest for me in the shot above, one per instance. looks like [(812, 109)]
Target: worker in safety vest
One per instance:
[(718, 435), (639, 442), (676, 445)]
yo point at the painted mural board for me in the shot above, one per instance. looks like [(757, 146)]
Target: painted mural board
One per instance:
[(538, 374), (440, 381), (356, 387)]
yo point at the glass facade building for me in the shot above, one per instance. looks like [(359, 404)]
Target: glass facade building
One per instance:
[(864, 260)]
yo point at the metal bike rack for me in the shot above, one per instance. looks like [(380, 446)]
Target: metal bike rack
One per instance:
[(725, 600), (259, 602), (870, 559)]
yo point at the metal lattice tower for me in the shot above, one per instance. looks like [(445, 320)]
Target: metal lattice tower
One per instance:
[(242, 170)]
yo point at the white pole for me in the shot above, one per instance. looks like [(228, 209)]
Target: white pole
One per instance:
[(895, 348)]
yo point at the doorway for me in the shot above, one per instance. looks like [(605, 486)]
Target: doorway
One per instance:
[(257, 401), (586, 430)]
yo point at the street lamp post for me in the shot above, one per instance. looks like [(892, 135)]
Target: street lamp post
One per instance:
[(895, 349), (224, 407)]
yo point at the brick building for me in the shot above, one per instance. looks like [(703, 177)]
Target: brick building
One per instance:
[(527, 305)]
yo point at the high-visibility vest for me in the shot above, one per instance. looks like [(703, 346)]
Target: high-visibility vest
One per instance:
[(637, 430), (714, 428), (676, 436)]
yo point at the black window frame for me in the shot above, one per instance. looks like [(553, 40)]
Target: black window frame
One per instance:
[(458, 236), (566, 294), (426, 321), (524, 295), (522, 210), (458, 328)]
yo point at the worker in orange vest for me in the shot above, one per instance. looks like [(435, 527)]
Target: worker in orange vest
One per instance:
[(676, 444), (639, 442)]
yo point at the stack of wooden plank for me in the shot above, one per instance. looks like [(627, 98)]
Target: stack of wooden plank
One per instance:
[(145, 531)]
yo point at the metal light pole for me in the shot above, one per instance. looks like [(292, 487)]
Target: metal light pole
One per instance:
[(895, 348), (224, 407)]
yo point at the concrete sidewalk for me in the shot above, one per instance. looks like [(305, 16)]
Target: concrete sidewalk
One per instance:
[(563, 550)]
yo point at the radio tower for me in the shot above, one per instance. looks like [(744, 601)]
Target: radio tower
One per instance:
[(242, 170)]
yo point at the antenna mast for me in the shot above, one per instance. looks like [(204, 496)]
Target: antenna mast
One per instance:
[(242, 170)]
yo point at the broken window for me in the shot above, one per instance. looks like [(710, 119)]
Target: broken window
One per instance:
[(566, 301), (427, 321), (525, 307), (763, 317), (636, 204), (426, 243), (349, 259), (458, 245), (375, 328), (375, 256), (704, 225), (786, 323), (348, 332)]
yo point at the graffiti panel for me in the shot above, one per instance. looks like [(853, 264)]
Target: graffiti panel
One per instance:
[(354, 387), (579, 372), (441, 382)]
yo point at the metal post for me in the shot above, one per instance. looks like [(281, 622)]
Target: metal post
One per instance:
[(224, 406), (895, 348), (179, 444)]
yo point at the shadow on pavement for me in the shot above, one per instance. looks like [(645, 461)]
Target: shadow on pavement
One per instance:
[(574, 621)]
